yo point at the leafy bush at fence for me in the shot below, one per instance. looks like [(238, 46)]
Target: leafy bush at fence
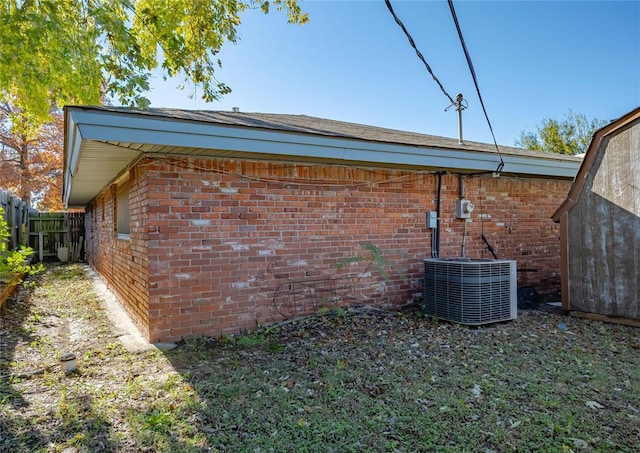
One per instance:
[(14, 263)]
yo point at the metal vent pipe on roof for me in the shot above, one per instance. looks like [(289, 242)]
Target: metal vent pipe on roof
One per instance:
[(460, 104)]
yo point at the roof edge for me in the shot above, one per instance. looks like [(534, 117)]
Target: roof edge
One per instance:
[(181, 115), (126, 129)]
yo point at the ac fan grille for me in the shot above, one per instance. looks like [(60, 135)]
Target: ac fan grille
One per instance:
[(470, 291)]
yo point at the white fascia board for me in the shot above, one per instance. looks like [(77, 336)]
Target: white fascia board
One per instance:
[(527, 165), (114, 127), (74, 142)]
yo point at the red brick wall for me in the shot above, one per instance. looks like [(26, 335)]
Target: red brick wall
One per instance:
[(224, 235), (122, 263), (514, 214)]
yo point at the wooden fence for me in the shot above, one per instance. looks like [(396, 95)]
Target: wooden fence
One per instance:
[(16, 214), (57, 235)]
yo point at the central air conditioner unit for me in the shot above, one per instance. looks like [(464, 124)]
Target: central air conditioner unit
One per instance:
[(470, 291)]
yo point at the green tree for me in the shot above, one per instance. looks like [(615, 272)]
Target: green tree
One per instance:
[(56, 52), (571, 135)]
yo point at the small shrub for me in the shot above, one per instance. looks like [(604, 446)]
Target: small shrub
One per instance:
[(14, 263)]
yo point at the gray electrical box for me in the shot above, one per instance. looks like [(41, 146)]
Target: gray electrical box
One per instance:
[(432, 219)]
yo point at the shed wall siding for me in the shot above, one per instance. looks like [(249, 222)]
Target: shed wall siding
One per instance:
[(224, 234), (604, 244), (123, 264)]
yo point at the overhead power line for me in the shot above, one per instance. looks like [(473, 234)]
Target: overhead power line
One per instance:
[(413, 44), (469, 62), (475, 80)]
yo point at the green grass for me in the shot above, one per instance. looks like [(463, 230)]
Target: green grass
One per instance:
[(345, 381), (413, 389)]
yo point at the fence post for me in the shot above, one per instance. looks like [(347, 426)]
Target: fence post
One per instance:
[(16, 216), (41, 245)]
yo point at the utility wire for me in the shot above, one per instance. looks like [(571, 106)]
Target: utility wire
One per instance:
[(413, 44), (407, 178), (475, 80)]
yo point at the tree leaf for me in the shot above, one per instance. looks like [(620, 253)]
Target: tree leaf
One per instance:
[(594, 405)]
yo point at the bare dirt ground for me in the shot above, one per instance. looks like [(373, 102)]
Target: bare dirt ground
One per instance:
[(347, 380)]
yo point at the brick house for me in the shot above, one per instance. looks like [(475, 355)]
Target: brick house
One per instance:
[(600, 226), (209, 223)]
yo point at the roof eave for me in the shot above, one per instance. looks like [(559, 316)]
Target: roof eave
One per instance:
[(124, 130)]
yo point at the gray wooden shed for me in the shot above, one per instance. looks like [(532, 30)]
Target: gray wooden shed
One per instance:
[(600, 225)]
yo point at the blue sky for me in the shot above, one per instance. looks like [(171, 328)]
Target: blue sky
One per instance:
[(533, 60)]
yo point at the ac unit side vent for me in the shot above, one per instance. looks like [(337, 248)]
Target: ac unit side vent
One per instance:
[(471, 292)]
